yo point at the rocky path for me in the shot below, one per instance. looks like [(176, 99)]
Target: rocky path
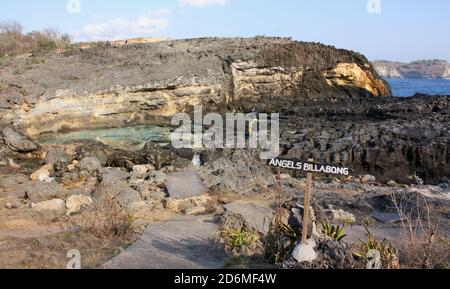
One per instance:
[(183, 243)]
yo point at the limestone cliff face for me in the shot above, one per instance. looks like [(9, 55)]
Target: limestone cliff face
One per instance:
[(417, 69), (116, 85), (350, 74)]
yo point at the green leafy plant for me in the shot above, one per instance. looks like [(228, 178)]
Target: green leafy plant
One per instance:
[(336, 233), (237, 240), (389, 255), (44, 45), (291, 234)]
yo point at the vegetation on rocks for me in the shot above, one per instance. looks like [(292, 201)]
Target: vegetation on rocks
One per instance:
[(14, 42), (389, 256)]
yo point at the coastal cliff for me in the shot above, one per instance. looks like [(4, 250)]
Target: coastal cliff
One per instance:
[(428, 69), (117, 85)]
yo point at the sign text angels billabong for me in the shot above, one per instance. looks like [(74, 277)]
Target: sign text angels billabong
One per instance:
[(309, 167)]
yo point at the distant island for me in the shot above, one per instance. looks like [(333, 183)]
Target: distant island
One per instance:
[(428, 69)]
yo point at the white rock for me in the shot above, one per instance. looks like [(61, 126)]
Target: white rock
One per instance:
[(284, 177), (368, 179), (40, 174), (194, 211), (305, 252), (53, 208), (75, 203), (140, 169), (374, 260), (196, 160), (12, 164), (150, 168), (392, 184)]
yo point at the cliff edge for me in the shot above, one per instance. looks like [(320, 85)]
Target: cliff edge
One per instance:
[(115, 85)]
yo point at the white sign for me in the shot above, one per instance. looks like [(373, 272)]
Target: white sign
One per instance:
[(308, 167)]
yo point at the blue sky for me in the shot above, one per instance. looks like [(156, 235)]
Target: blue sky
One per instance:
[(404, 30)]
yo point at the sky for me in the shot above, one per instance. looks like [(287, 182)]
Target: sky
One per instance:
[(400, 30)]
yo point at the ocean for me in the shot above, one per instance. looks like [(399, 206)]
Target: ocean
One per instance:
[(409, 87)]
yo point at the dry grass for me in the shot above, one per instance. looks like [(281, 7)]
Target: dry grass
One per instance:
[(424, 244), (280, 239), (108, 219), (14, 42)]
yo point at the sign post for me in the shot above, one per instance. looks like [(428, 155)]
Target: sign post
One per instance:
[(306, 205), (309, 167)]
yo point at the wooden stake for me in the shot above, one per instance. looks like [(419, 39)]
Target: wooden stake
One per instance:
[(306, 205)]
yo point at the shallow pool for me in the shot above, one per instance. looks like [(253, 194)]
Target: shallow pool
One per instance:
[(125, 137)]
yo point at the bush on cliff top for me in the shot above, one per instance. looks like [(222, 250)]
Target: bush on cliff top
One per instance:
[(14, 42)]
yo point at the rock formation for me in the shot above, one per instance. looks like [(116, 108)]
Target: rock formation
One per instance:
[(115, 85), (416, 69)]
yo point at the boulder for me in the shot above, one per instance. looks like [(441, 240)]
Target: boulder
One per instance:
[(11, 203), (150, 192), (43, 174), (255, 217), (157, 155), (195, 211), (392, 184), (18, 142), (126, 159), (368, 179), (57, 155), (114, 181), (15, 185), (239, 171), (140, 169), (184, 185), (128, 196), (305, 252), (5, 151), (94, 149), (39, 192), (76, 203), (90, 164), (111, 175), (159, 178), (52, 209), (330, 255)]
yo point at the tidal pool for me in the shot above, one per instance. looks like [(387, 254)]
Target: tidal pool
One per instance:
[(133, 137)]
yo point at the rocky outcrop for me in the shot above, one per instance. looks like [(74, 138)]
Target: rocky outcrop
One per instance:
[(18, 142), (416, 69), (392, 139), (104, 86), (350, 74)]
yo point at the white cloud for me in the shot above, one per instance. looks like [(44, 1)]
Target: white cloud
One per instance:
[(120, 28), (202, 3)]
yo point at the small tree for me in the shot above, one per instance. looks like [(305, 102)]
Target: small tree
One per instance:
[(11, 27)]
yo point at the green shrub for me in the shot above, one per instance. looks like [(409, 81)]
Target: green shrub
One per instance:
[(336, 233), (239, 240), (44, 46), (389, 255)]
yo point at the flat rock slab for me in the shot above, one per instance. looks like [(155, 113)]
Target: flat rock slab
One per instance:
[(185, 243), (387, 218), (183, 185), (256, 216)]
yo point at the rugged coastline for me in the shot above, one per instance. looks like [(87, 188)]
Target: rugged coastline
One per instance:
[(334, 108), (420, 69)]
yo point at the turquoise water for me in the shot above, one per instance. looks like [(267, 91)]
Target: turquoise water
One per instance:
[(136, 136), (409, 87), (126, 137)]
